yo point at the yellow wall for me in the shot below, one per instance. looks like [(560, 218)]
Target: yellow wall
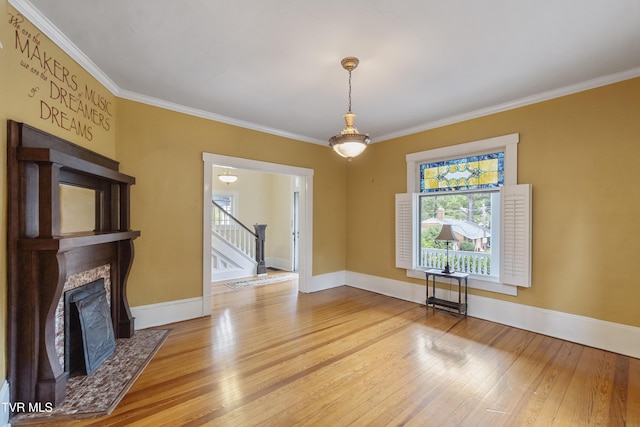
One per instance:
[(580, 153), (279, 241), (41, 86), (163, 150)]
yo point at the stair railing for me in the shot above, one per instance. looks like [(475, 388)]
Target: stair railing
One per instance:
[(239, 235)]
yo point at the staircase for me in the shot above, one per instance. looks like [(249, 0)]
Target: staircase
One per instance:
[(236, 251)]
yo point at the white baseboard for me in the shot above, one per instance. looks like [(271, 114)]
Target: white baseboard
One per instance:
[(278, 263), (147, 316), (326, 281), (615, 337), (393, 288), (5, 399)]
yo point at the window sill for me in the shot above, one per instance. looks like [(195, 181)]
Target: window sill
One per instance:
[(489, 284)]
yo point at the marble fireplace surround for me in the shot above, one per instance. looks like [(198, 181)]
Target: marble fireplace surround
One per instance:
[(41, 259)]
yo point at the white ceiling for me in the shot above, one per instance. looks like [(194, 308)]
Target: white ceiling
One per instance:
[(274, 65)]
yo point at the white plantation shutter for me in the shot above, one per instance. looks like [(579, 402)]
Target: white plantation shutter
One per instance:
[(406, 234), (515, 254)]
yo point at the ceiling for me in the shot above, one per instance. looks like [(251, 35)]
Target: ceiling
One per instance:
[(274, 65)]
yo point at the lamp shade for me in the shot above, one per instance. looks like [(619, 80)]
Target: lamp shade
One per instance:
[(447, 234)]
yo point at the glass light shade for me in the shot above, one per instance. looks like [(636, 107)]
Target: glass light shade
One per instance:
[(227, 178), (349, 143)]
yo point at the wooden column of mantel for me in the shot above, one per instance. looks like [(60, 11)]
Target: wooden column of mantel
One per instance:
[(40, 258)]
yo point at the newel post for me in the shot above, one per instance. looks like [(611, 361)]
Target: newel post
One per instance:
[(260, 236)]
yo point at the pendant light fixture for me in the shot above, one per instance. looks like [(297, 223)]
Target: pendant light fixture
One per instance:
[(349, 143), (227, 177)]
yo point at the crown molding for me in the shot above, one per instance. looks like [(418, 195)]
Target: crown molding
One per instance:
[(533, 99), (137, 97)]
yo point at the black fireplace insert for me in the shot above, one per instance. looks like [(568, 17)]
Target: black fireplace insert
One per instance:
[(88, 331)]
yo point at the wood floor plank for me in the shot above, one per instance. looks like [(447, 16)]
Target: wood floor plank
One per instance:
[(517, 385), (469, 390), (444, 361), (270, 356), (382, 369), (542, 407), (589, 390), (632, 415)]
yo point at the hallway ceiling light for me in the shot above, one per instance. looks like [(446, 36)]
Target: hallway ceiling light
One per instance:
[(349, 143), (227, 177)]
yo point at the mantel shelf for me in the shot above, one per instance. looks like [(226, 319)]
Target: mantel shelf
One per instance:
[(75, 240), (71, 162)]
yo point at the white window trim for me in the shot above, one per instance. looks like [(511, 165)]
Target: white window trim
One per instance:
[(506, 143), (235, 195)]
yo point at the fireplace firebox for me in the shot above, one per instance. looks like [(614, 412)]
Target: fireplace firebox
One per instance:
[(88, 332)]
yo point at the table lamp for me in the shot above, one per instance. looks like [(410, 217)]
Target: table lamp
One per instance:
[(446, 235)]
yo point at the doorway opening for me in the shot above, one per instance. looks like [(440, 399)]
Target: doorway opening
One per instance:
[(301, 195)]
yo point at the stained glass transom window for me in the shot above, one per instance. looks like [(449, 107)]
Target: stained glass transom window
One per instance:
[(468, 173)]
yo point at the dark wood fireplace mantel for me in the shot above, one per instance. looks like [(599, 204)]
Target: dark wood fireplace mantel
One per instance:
[(41, 258)]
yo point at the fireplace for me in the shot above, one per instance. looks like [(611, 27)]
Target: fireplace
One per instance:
[(42, 257), (88, 332)]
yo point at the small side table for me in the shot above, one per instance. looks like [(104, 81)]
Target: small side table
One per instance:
[(461, 278)]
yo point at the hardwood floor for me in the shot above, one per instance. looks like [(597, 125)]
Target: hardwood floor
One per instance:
[(221, 288), (271, 356)]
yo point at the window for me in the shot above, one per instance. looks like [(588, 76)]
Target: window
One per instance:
[(471, 219), (473, 188), (467, 173), (226, 201)]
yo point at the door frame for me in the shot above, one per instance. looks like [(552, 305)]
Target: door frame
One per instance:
[(295, 229), (305, 209)]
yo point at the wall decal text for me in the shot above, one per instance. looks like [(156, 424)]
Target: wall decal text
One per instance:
[(64, 100)]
